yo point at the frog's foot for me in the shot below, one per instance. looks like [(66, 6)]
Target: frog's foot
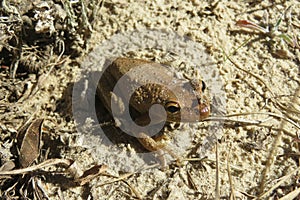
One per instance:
[(156, 145)]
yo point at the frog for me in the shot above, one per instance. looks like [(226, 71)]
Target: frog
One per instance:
[(146, 84)]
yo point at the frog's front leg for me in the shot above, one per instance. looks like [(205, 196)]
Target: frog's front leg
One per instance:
[(159, 146), (158, 143)]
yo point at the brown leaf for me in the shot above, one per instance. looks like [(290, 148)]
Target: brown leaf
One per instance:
[(91, 173), (8, 165), (30, 144)]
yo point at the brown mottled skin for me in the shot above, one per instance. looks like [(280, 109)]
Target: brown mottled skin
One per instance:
[(183, 100)]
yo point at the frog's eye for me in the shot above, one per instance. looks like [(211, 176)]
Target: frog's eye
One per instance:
[(203, 86), (172, 107)]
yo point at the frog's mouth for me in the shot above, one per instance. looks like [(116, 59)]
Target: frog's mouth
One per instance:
[(204, 111)]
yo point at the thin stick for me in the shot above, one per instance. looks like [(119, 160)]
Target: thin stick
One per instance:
[(291, 195), (255, 76), (217, 174), (282, 180), (46, 163), (232, 190), (225, 118), (274, 148)]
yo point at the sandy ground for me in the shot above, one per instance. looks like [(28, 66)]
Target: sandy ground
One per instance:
[(251, 153)]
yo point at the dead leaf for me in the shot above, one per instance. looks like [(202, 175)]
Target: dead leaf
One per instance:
[(91, 173), (30, 144), (8, 165)]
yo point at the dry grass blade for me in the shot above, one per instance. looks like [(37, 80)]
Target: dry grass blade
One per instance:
[(251, 25), (241, 121), (283, 179), (226, 118), (291, 195), (270, 114), (253, 122), (135, 191), (239, 66), (43, 78), (47, 163), (38, 189), (122, 178), (191, 181), (217, 173), (274, 148), (292, 106), (232, 190)]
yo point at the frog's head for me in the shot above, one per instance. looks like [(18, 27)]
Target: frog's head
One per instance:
[(187, 103)]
